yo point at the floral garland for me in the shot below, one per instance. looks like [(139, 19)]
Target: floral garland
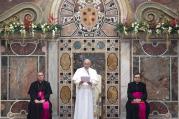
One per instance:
[(168, 27), (19, 28)]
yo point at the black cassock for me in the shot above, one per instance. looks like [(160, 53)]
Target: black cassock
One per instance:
[(40, 90), (137, 110)]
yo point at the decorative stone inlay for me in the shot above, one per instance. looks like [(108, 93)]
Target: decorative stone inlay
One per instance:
[(26, 48), (112, 61), (65, 94), (100, 45), (65, 61), (112, 94), (77, 45), (89, 18)]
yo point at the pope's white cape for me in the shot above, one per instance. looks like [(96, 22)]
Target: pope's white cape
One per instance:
[(84, 96)]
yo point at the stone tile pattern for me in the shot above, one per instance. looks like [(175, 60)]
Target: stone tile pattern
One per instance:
[(160, 73), (18, 71)]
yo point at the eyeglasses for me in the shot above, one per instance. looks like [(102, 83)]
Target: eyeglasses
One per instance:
[(40, 75)]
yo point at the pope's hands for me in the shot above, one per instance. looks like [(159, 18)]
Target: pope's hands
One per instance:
[(89, 83), (81, 82), (39, 101)]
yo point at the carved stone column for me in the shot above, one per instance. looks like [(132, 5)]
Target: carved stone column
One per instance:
[(125, 74), (53, 74)]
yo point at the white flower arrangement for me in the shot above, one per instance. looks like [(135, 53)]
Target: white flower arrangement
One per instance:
[(15, 28), (143, 27)]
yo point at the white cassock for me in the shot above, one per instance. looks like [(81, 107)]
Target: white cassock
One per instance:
[(84, 93)]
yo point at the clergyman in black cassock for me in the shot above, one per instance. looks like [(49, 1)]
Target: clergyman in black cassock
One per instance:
[(40, 106), (136, 106)]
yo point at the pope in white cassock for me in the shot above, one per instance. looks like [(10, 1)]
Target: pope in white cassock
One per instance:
[(85, 79)]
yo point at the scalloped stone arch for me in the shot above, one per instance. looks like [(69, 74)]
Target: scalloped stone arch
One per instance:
[(33, 8), (122, 5), (143, 11)]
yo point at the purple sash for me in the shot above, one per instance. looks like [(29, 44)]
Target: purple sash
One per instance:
[(142, 105), (45, 106)]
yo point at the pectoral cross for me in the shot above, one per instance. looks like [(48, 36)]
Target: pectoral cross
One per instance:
[(87, 71)]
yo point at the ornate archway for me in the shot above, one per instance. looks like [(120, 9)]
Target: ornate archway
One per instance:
[(99, 21)]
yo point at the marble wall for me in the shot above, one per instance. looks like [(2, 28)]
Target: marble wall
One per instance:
[(159, 67), (20, 63), (88, 32), (114, 59)]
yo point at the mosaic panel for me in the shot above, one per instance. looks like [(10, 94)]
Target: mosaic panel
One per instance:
[(113, 45), (65, 61), (65, 112), (65, 45), (65, 94), (65, 77), (112, 94), (97, 50), (112, 78), (77, 45), (90, 45), (112, 61), (112, 111), (89, 18)]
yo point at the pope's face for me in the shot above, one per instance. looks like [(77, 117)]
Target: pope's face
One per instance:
[(87, 64)]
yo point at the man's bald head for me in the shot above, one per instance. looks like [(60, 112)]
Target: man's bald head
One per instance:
[(87, 63)]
